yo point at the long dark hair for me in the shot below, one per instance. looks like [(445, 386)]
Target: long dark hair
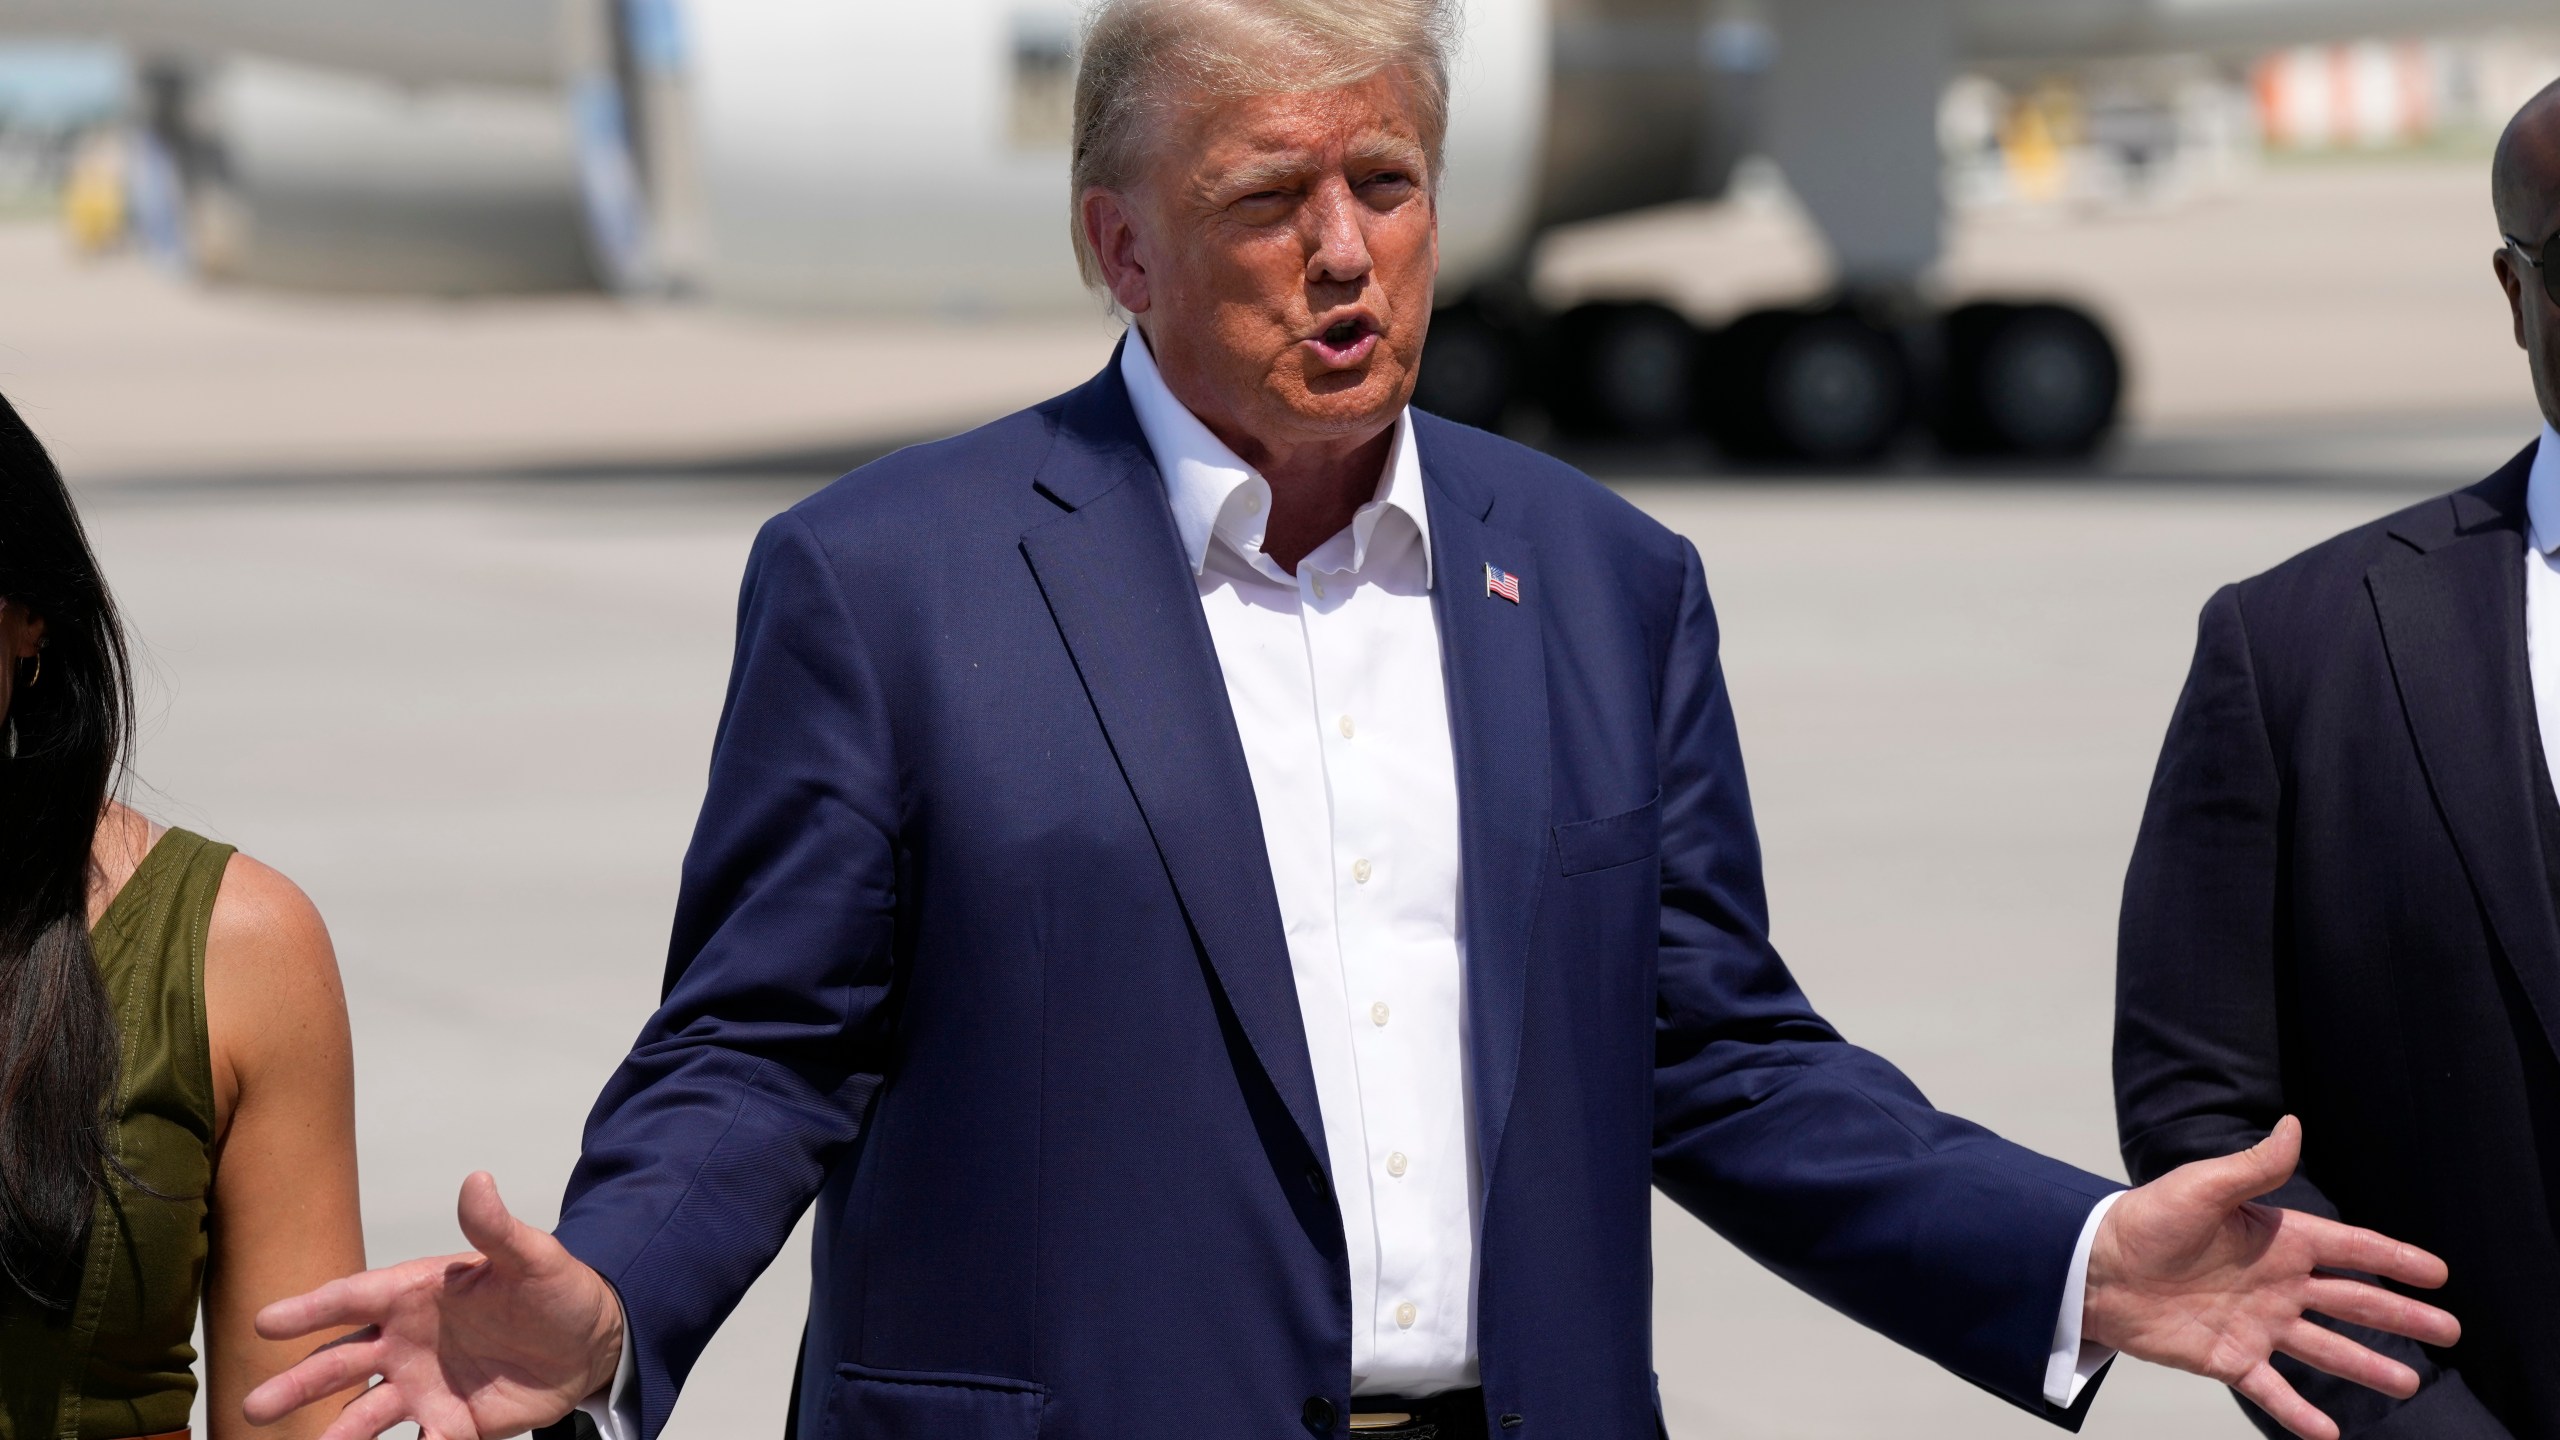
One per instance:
[(62, 750)]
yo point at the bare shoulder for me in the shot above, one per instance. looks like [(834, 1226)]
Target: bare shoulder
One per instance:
[(274, 1005), (263, 921), (268, 950)]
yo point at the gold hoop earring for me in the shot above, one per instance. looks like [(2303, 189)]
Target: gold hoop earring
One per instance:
[(39, 675)]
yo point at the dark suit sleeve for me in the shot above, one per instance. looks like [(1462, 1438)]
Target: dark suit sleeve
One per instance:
[(751, 1079), (2199, 1061), (1820, 1160)]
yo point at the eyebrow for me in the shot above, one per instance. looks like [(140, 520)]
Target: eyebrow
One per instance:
[(1263, 173)]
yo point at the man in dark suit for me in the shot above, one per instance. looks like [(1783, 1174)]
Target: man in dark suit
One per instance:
[(1225, 892), (2342, 902)]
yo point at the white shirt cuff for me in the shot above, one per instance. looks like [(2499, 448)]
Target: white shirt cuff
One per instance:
[(616, 1411), (2073, 1363)]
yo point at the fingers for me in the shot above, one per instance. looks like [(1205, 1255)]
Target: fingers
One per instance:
[(2263, 1167), (2268, 1391), (341, 1364), (2360, 1304), (373, 1412), (355, 1300), (2345, 1247), (2328, 1351), (490, 1227)]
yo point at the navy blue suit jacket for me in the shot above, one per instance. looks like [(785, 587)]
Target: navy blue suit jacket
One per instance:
[(978, 950), (2341, 907)]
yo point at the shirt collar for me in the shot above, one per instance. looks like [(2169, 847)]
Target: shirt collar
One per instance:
[(1216, 495), (2542, 493)]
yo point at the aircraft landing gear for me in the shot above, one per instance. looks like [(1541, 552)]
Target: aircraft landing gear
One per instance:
[(2039, 381), (1472, 364), (1620, 370), (1824, 387), (1834, 386)]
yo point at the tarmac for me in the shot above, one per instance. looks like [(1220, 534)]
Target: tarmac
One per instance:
[(444, 639)]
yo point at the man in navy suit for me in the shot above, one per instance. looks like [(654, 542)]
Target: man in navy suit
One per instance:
[(1226, 893)]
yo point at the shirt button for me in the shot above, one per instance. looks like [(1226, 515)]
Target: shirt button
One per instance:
[(1406, 1315), (1360, 872), (1395, 1164), (1252, 503), (1344, 725), (1319, 588), (1378, 1013)]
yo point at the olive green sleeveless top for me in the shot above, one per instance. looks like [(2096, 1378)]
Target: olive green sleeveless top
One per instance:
[(121, 1361)]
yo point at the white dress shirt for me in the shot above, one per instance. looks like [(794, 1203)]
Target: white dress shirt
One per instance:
[(2542, 591), (1335, 679)]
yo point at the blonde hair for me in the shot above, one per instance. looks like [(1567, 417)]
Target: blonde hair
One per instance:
[(1143, 59)]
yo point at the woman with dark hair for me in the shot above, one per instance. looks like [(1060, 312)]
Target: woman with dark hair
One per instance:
[(177, 1097)]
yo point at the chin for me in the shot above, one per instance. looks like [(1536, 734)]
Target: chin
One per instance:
[(1333, 418), (1351, 409)]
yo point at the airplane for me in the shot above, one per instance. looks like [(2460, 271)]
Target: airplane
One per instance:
[(816, 154)]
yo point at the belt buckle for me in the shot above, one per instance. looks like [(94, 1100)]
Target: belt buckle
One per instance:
[(1379, 1419)]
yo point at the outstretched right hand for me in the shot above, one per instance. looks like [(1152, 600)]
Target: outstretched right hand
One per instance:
[(476, 1346)]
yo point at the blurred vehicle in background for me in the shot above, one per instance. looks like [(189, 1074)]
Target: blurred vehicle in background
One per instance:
[(805, 153)]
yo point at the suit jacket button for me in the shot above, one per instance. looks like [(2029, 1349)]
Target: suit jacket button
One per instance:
[(1318, 1414)]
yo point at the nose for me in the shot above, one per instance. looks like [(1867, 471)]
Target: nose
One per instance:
[(1337, 243)]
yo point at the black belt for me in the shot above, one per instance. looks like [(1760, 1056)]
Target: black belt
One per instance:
[(1450, 1415)]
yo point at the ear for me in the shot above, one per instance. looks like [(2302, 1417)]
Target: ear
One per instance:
[(1111, 231), (1433, 199), (2513, 283)]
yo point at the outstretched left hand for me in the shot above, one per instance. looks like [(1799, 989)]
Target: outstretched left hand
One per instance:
[(2189, 1272)]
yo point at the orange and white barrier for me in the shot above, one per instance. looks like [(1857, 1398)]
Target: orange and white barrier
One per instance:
[(2369, 95)]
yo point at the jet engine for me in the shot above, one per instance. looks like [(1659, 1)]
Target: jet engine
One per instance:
[(805, 153), (371, 145), (259, 172)]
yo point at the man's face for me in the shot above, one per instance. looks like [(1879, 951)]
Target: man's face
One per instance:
[(2537, 319), (1280, 254)]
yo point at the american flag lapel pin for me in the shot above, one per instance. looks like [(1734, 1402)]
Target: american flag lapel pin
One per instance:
[(1501, 584)]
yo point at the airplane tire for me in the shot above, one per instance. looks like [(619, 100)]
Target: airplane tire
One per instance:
[(1824, 387), (1622, 370), (1471, 368), (2039, 381)]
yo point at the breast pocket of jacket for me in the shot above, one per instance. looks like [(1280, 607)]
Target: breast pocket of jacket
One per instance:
[(914, 1405), (1612, 840)]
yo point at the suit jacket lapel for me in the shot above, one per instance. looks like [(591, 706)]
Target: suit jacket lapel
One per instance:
[(1494, 655), (1129, 610), (2453, 622)]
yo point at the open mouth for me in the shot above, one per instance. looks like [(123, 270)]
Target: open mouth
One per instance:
[(1347, 341)]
